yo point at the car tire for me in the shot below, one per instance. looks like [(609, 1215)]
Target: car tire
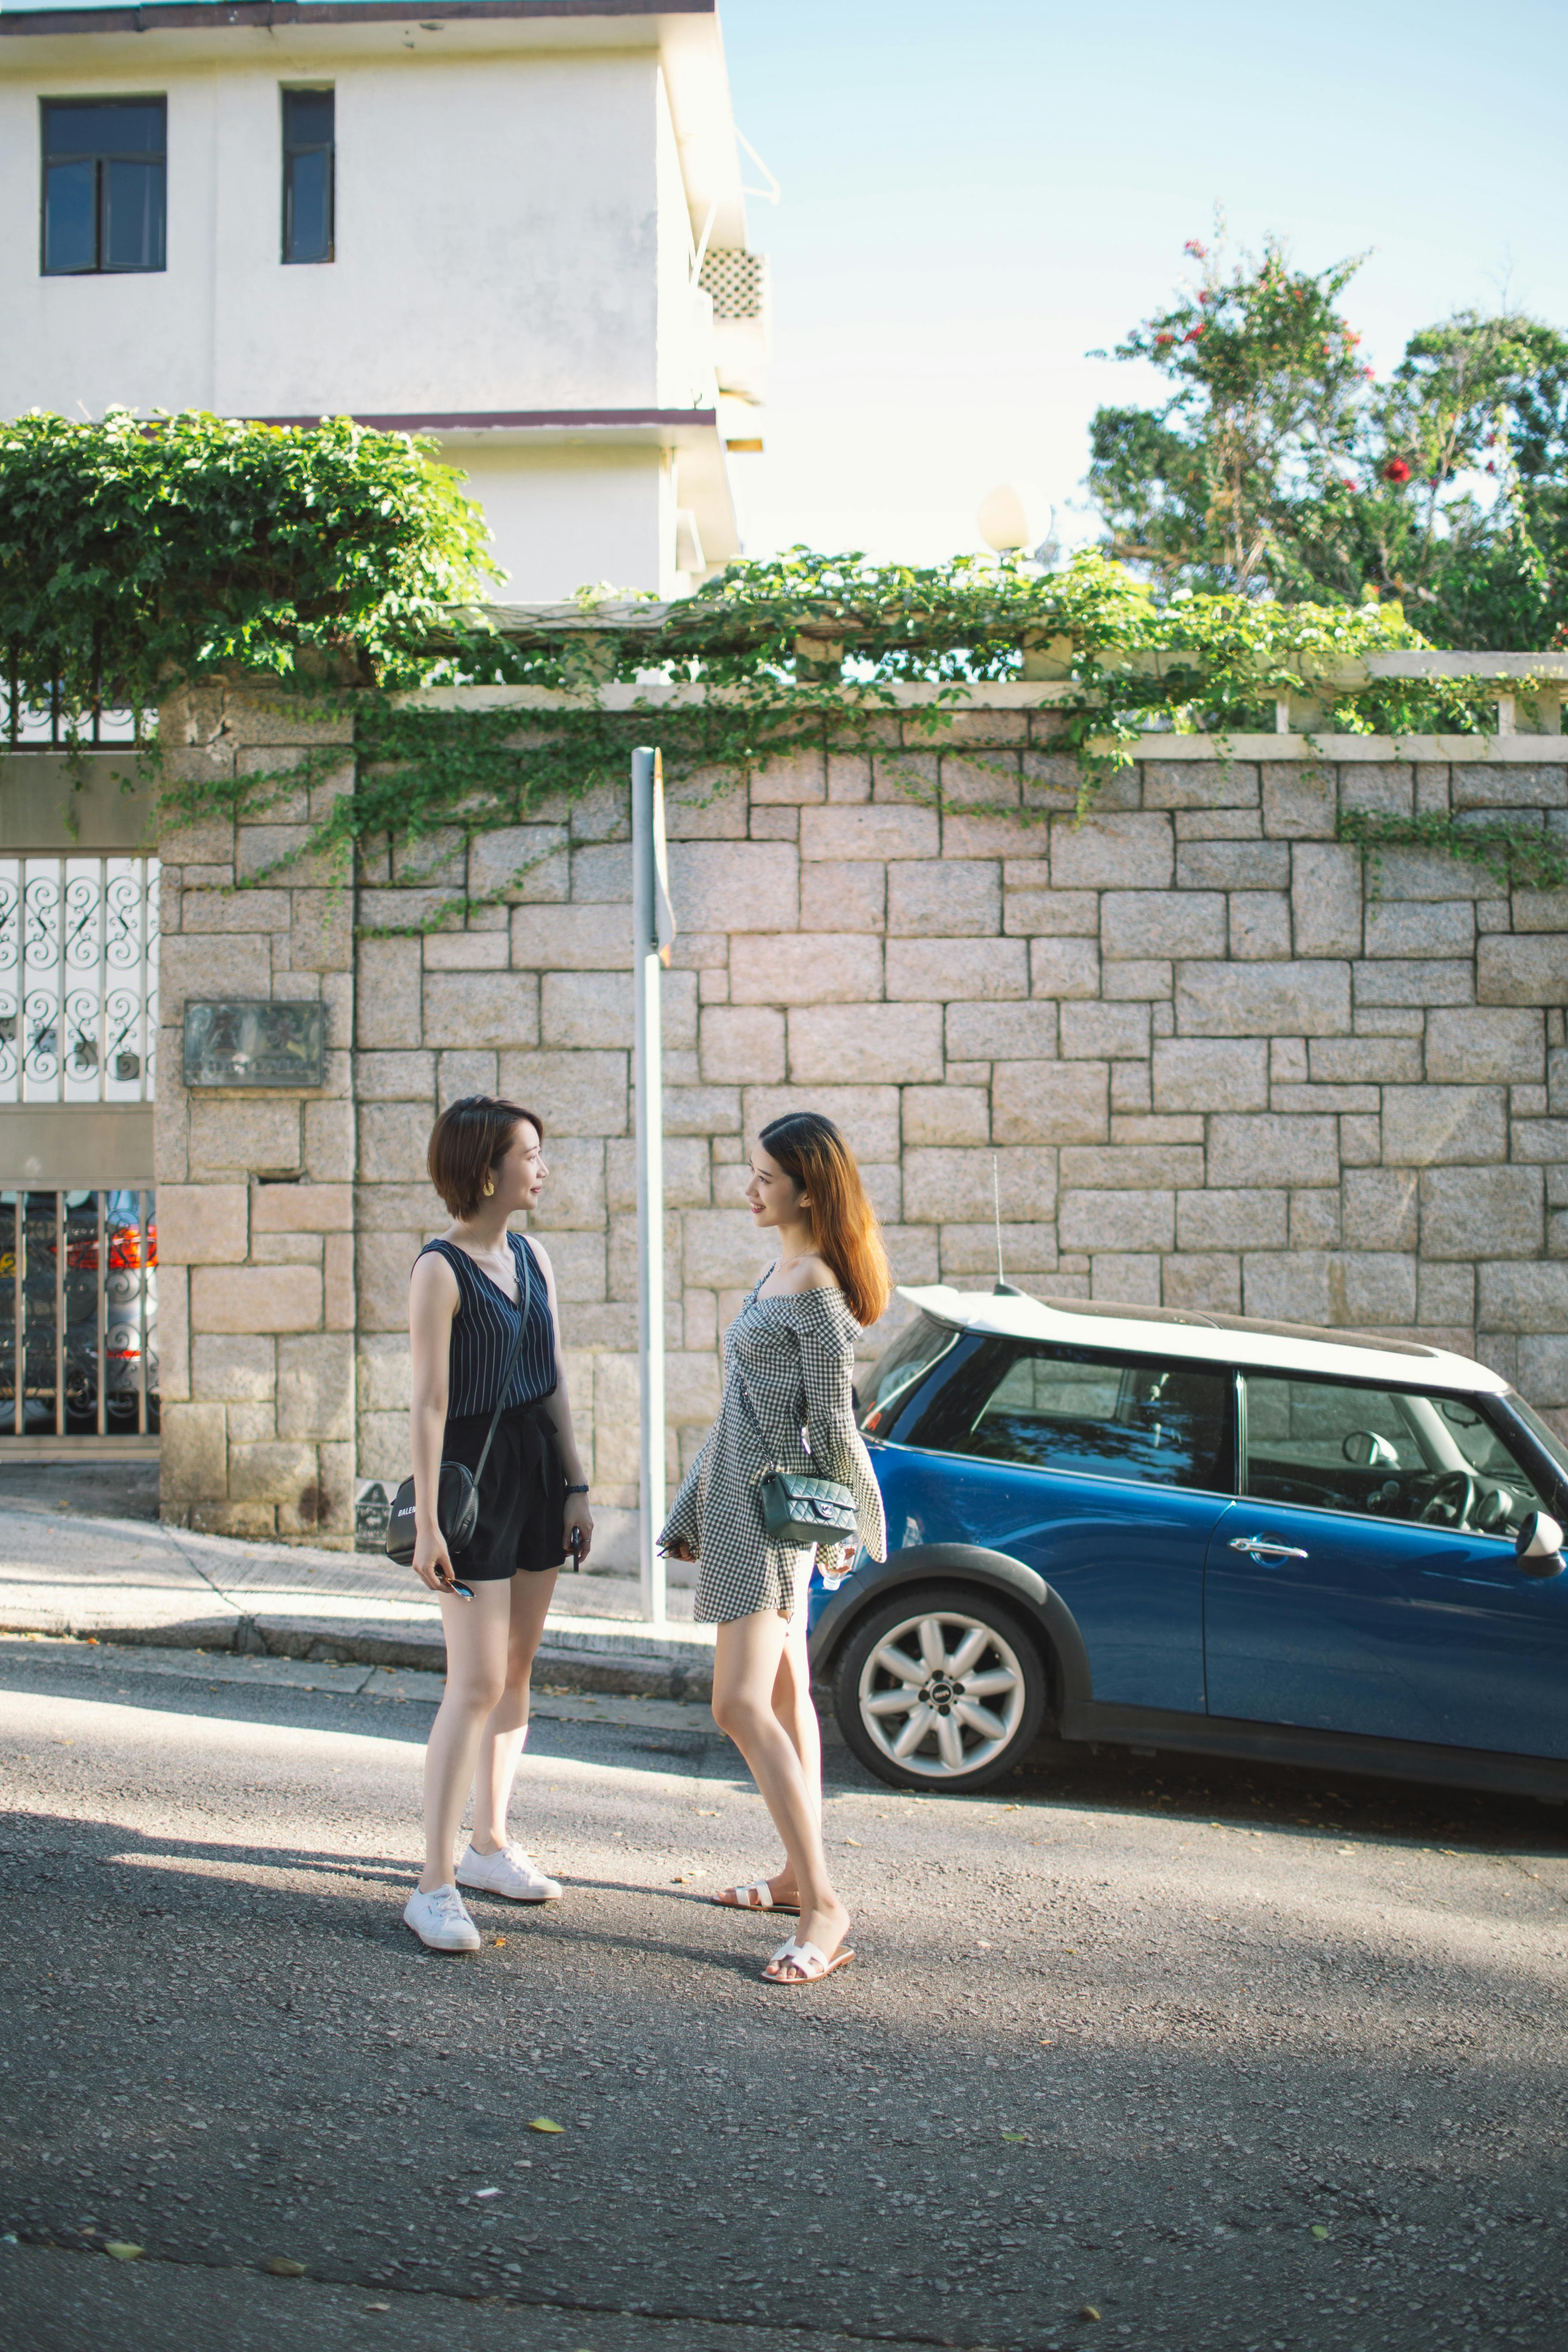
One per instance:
[(961, 1744)]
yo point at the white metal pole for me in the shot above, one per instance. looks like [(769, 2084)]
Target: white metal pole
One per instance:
[(646, 813)]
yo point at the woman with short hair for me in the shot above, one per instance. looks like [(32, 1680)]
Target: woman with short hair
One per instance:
[(788, 1405), (482, 1312)]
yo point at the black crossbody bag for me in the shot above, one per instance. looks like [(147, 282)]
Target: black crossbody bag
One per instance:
[(458, 1494)]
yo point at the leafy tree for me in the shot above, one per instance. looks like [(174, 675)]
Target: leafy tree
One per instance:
[(1262, 415), (136, 553), (1279, 467), (1482, 396)]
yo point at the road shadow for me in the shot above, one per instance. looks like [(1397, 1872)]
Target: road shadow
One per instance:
[(1281, 1796), (98, 1677)]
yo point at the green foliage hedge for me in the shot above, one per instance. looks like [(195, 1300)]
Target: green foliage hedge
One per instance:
[(136, 554), (139, 558)]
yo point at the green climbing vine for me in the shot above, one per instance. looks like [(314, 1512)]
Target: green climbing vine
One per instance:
[(1521, 858), (144, 559)]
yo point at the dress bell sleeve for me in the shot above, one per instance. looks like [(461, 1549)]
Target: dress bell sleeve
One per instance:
[(683, 1523), (837, 1449)]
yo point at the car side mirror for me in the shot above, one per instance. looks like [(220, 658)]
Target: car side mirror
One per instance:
[(1538, 1546), (1368, 1451)]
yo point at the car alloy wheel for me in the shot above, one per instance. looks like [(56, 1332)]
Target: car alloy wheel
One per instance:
[(940, 1688)]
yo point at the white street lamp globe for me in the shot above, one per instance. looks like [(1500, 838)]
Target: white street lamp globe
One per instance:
[(1003, 523)]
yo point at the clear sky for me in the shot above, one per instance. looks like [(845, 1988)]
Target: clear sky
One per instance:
[(978, 194)]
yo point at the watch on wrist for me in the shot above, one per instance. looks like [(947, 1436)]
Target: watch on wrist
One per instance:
[(576, 1490)]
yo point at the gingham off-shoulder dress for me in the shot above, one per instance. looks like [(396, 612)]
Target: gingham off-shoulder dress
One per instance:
[(788, 1405)]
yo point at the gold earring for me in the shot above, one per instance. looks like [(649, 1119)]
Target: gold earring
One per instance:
[(490, 1188)]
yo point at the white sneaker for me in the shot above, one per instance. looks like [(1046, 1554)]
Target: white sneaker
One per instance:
[(510, 1872), (440, 1920)]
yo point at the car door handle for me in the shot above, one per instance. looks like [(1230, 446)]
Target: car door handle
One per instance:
[(1265, 1548)]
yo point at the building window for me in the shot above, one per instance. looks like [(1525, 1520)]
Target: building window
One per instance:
[(309, 153), (103, 185)]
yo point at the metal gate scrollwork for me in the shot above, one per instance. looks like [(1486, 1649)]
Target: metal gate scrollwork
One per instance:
[(79, 988)]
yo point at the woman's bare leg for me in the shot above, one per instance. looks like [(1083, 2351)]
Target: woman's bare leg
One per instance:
[(506, 1730), (476, 1634), (747, 1654), (793, 1707)]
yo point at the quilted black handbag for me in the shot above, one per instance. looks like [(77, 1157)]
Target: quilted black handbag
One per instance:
[(797, 1510), (802, 1511)]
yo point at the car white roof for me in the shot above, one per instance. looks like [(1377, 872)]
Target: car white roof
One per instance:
[(1167, 1331)]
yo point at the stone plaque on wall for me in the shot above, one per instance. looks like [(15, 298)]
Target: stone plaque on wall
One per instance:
[(237, 1043)]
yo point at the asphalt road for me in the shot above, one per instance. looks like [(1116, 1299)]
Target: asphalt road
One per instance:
[(1232, 2060)]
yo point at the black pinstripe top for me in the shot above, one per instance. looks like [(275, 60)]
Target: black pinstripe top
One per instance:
[(484, 1329)]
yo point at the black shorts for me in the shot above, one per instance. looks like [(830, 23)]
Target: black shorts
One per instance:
[(523, 1493)]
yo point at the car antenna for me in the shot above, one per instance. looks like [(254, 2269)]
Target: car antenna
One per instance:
[(1001, 1287)]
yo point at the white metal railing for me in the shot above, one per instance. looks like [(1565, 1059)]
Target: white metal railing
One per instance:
[(78, 979)]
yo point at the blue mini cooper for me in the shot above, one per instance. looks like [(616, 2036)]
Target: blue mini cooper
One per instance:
[(1171, 1530)]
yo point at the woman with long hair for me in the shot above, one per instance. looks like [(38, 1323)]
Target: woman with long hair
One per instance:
[(482, 1318), (788, 1405)]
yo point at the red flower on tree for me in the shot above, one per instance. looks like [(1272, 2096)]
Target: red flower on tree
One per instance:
[(1191, 334), (1164, 339), (1397, 470)]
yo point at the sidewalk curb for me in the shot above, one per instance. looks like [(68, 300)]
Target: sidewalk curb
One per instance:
[(572, 1668)]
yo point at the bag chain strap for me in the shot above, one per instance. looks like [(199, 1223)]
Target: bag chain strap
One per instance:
[(777, 1471)]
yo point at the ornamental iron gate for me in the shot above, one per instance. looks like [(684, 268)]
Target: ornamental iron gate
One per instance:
[(79, 1312), (78, 979)]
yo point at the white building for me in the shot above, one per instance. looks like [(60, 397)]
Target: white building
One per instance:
[(507, 224)]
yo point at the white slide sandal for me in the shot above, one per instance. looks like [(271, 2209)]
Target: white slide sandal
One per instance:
[(757, 1897), (810, 1959)]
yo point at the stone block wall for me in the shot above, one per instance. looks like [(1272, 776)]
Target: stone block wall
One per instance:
[(255, 1303), (1216, 1071)]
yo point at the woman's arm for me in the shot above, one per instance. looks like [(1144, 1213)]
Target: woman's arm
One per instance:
[(838, 1450), (682, 1531), (578, 1515), (433, 1300)]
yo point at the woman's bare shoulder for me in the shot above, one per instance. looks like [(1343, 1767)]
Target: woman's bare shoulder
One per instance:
[(801, 1276), (433, 1279), (531, 1242)]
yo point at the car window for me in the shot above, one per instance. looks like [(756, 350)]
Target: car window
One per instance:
[(1054, 1408), (1397, 1454), (1545, 1436), (1480, 1447), (904, 1360)]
